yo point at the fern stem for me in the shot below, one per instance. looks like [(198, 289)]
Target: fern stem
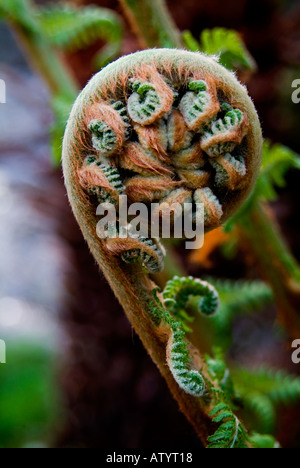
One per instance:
[(152, 23), (276, 263)]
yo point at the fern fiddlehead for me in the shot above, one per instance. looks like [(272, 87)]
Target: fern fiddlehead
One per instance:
[(175, 297), (179, 290), (223, 134), (145, 105), (170, 136), (156, 145), (101, 180), (198, 105), (138, 248)]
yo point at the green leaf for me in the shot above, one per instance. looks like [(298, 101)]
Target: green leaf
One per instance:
[(231, 433), (70, 27), (280, 387), (225, 43), (190, 42), (277, 161), (263, 411), (30, 403), (262, 391)]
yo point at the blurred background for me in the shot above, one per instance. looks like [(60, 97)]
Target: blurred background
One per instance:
[(76, 373)]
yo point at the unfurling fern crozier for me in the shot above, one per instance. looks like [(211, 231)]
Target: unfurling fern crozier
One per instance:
[(163, 126)]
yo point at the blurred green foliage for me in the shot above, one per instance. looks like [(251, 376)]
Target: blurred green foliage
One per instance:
[(66, 26), (227, 44), (277, 160), (29, 400)]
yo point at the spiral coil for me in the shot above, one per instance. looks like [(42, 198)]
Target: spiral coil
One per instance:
[(167, 132)]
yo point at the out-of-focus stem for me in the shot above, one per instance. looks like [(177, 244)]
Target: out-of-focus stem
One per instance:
[(152, 23), (42, 55), (275, 262), (46, 63)]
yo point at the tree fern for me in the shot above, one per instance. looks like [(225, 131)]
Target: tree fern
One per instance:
[(226, 43), (69, 27)]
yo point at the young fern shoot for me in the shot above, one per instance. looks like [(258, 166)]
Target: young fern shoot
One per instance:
[(161, 126)]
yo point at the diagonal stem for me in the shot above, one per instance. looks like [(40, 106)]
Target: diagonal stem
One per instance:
[(42, 55), (152, 23), (275, 262)]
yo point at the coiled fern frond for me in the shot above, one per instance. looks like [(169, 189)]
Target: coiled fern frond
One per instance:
[(179, 291)]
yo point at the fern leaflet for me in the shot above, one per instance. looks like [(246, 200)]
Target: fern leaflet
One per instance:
[(231, 433), (226, 43), (277, 160)]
